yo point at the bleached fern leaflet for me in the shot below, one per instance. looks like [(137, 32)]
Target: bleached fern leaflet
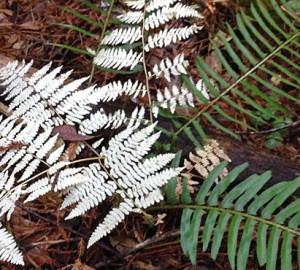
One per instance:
[(117, 58), (123, 36), (165, 37), (166, 67), (8, 249)]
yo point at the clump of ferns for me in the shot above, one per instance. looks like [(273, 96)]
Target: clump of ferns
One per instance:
[(36, 158), (126, 46), (242, 218)]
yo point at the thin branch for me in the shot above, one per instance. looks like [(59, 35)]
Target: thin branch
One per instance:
[(294, 124)]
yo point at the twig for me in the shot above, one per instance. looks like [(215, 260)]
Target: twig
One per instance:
[(294, 124), (55, 242), (151, 241), (140, 246)]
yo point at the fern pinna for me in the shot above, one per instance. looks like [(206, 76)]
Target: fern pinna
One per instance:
[(259, 59), (40, 163), (242, 214), (142, 19)]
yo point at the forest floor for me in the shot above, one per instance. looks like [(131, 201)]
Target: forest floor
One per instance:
[(27, 27)]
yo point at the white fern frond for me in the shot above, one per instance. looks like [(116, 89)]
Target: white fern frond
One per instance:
[(8, 70), (139, 180), (117, 58), (156, 4), (11, 76), (135, 4), (167, 67), (32, 97), (38, 189), (201, 86), (160, 17), (39, 141), (7, 204), (142, 189), (113, 90), (136, 118), (165, 37), (166, 13), (69, 177), (184, 11), (32, 149), (150, 199), (124, 170), (131, 17), (100, 120), (123, 36), (22, 164), (124, 152), (55, 155), (97, 143), (130, 141), (57, 166), (3, 179), (89, 193), (171, 99), (9, 251), (112, 219), (30, 169)]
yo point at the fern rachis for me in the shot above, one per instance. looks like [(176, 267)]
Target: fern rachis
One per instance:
[(123, 172)]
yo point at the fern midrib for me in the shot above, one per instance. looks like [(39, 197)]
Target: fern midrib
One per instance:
[(145, 66), (230, 211), (101, 38), (231, 87)]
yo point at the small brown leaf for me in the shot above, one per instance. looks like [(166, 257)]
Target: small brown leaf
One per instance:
[(69, 133), (12, 146)]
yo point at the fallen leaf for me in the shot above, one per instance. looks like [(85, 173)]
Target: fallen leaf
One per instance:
[(69, 133)]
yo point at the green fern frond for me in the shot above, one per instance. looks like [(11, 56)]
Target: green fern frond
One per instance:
[(241, 213), (259, 59)]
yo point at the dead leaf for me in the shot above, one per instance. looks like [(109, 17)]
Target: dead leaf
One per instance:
[(38, 256), (122, 244), (69, 133)]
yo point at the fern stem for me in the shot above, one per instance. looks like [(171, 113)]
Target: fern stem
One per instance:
[(231, 87), (100, 39), (145, 66), (230, 211), (86, 159)]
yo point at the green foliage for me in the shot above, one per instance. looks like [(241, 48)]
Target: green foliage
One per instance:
[(259, 67), (241, 213), (100, 31), (259, 60)]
